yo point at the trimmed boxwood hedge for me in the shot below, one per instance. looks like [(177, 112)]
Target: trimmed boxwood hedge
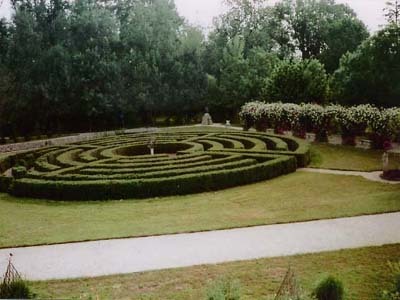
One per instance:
[(5, 184), (119, 168), (178, 185)]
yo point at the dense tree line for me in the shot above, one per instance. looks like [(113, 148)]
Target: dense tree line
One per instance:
[(91, 65)]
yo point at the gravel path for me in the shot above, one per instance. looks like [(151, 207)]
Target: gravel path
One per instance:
[(99, 258), (373, 176)]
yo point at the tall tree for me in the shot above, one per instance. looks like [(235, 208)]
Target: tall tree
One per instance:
[(234, 80), (150, 37), (392, 12), (325, 30), (371, 74), (4, 76), (95, 75), (258, 25), (298, 82), (190, 84), (4, 39)]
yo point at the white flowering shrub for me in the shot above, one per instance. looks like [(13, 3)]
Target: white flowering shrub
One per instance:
[(384, 124)]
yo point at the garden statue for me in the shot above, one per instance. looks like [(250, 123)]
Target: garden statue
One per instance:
[(207, 120), (151, 145), (385, 161)]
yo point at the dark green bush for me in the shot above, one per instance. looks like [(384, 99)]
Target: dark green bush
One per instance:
[(15, 290), (329, 288), (99, 169), (143, 188), (18, 172), (5, 184), (168, 171)]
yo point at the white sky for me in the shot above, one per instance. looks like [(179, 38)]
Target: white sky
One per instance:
[(202, 12)]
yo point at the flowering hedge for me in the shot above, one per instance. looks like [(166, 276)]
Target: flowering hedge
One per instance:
[(381, 124)]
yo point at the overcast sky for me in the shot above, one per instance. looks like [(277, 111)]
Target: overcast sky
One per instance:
[(202, 12)]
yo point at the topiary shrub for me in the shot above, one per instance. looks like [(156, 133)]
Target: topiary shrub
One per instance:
[(329, 288), (15, 290)]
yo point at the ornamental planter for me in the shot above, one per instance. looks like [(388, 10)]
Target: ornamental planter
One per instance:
[(310, 137), (391, 165), (349, 140), (261, 126), (279, 131), (288, 133), (321, 136), (270, 131), (335, 139), (300, 133), (381, 142)]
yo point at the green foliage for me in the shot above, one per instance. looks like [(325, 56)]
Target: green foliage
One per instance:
[(120, 167), (392, 12), (260, 33), (93, 65), (144, 188), (297, 82), (329, 288), (394, 292), (233, 83), (325, 30), (5, 183), (342, 36), (15, 290), (370, 74), (242, 77), (224, 290), (88, 65), (383, 124), (19, 172)]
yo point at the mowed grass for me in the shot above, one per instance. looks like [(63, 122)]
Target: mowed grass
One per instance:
[(349, 158), (297, 197), (364, 273)]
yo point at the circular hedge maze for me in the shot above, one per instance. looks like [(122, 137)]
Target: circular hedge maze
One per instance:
[(121, 167)]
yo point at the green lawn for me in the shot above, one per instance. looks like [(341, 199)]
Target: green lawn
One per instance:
[(297, 197), (364, 273), (327, 156)]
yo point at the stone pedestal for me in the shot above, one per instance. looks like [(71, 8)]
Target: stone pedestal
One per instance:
[(311, 137), (335, 140), (270, 131)]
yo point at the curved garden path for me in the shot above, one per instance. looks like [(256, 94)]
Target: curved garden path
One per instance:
[(110, 257), (372, 176)]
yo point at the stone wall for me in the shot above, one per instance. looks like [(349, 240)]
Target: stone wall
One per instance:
[(82, 137)]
